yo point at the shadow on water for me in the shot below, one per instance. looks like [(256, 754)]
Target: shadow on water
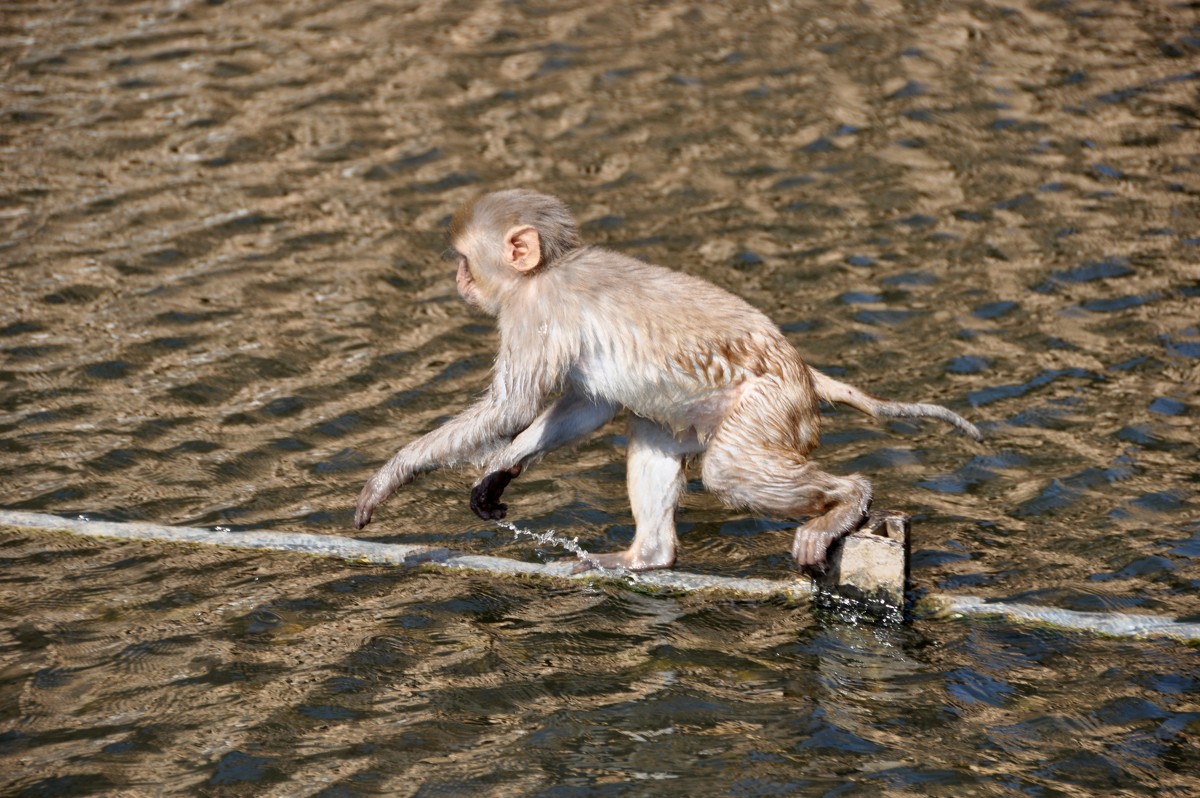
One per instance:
[(223, 305)]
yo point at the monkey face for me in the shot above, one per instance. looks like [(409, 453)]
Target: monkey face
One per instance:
[(501, 243), (477, 281), (467, 287)]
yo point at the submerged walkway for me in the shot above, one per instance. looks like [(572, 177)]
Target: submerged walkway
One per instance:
[(1111, 624)]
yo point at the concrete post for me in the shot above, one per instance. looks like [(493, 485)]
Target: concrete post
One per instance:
[(871, 563)]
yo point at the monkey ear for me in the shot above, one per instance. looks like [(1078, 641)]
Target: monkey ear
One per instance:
[(522, 248)]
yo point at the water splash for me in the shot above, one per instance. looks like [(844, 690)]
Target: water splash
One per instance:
[(571, 545)]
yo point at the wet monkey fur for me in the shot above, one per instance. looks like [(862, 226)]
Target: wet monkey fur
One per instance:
[(585, 332)]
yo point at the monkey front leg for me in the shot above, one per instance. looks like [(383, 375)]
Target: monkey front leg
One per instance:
[(572, 417), (398, 471), (458, 440)]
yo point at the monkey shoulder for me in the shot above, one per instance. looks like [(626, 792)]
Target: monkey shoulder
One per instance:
[(603, 272)]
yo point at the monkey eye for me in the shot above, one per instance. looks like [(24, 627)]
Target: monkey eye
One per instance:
[(451, 253)]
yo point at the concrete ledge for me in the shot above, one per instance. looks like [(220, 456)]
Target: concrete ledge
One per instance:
[(934, 605), (1110, 624), (353, 549)]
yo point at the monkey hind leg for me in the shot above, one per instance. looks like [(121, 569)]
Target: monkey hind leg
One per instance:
[(786, 485), (655, 476), (850, 500)]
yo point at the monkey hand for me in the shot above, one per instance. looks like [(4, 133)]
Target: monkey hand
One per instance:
[(485, 496), (368, 499), (374, 493)]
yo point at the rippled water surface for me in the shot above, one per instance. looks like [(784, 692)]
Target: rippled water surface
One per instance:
[(223, 304)]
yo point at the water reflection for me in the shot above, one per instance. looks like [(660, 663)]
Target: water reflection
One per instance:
[(252, 669), (223, 305)]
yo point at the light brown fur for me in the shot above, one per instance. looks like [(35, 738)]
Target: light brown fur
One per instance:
[(699, 369)]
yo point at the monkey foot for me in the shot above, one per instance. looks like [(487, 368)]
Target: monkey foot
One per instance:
[(810, 547), (812, 550), (626, 560)]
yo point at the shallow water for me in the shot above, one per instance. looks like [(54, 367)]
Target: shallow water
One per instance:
[(220, 228)]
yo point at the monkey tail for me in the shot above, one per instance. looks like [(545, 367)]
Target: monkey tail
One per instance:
[(832, 390)]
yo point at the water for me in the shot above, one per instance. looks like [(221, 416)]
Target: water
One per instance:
[(558, 543), (223, 306), (549, 538)]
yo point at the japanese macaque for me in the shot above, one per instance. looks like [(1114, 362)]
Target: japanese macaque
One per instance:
[(585, 332)]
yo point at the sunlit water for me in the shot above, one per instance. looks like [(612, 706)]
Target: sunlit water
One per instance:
[(223, 305), (549, 538)]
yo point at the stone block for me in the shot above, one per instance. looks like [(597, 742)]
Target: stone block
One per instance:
[(871, 563)]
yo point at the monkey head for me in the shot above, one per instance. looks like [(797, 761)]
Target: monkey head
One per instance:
[(503, 239)]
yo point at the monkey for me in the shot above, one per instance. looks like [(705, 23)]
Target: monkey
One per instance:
[(586, 332)]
